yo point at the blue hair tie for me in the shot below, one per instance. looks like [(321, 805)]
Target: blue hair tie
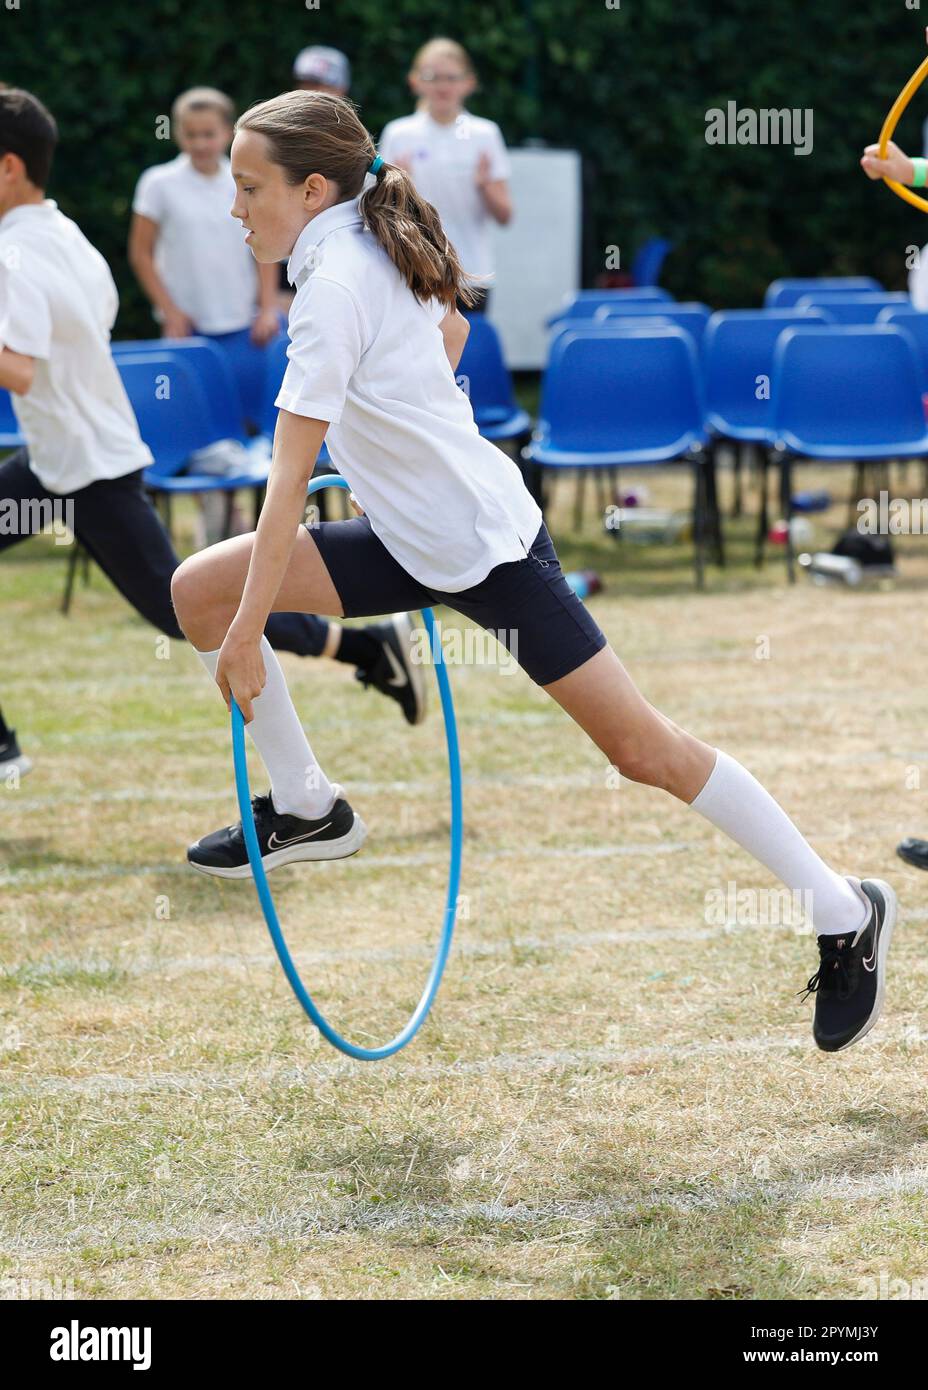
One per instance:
[(377, 164)]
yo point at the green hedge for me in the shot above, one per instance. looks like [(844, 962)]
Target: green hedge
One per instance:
[(628, 87)]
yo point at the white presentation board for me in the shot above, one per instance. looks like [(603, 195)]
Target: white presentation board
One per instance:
[(538, 254)]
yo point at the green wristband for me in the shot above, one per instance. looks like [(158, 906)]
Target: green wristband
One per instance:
[(921, 172)]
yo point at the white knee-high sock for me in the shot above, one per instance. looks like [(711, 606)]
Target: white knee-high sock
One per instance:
[(298, 784), (735, 801)]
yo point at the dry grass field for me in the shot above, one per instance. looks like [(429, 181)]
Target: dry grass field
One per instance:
[(615, 1096)]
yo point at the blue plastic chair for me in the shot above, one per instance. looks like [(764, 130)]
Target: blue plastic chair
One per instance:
[(648, 261), (915, 323), (275, 364), (213, 373), (737, 350), (584, 303), (691, 316), (784, 294), (854, 308), (621, 323), (625, 398), (11, 436), (844, 393), (175, 426), (489, 385)]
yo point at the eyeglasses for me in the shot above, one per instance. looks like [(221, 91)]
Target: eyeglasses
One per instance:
[(431, 77)]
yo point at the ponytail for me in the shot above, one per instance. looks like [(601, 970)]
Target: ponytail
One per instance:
[(409, 229)]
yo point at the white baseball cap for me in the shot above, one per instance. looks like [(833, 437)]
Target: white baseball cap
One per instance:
[(325, 65)]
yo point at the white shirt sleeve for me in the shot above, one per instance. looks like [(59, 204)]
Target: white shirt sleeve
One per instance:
[(147, 200), (327, 339), (25, 319), (499, 159)]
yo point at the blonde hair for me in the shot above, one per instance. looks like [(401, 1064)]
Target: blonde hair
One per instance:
[(202, 99), (319, 133), (443, 48)]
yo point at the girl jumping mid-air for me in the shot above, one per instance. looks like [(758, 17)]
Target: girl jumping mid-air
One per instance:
[(445, 518)]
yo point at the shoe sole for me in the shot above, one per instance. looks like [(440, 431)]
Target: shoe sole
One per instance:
[(889, 921), (22, 764), (403, 628), (309, 852)]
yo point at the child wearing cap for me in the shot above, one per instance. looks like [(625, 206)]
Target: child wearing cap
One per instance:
[(321, 69), (457, 161)]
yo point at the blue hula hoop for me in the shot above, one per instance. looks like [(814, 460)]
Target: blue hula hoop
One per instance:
[(243, 792)]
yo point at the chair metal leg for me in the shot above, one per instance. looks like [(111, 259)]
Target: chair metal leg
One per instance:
[(699, 513), (73, 561), (786, 492), (229, 500), (737, 506), (857, 491), (715, 515), (762, 520), (578, 499)]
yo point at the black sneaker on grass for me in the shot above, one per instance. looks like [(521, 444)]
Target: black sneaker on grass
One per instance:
[(10, 756), (851, 978), (283, 839), (395, 673), (913, 851)]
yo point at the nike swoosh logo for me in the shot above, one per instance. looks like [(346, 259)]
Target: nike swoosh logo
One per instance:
[(399, 676), (871, 963), (274, 843)]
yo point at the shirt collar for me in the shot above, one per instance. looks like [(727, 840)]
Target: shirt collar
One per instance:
[(26, 210), (302, 262)]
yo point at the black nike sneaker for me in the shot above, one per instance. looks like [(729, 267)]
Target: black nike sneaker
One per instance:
[(851, 978), (913, 851), (11, 759), (283, 839), (395, 672)]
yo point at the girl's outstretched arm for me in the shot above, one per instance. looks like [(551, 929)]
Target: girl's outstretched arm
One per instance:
[(240, 669)]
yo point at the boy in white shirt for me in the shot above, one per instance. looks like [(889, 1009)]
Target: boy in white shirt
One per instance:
[(85, 456), (457, 161)]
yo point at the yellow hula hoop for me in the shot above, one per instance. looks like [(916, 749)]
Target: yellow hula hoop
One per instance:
[(889, 126)]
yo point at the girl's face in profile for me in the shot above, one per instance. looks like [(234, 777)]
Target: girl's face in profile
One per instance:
[(204, 136), (272, 211)]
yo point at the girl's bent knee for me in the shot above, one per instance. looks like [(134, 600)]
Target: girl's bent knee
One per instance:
[(182, 590)]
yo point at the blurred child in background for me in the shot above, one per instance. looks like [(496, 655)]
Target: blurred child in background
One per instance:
[(191, 260), (457, 161)]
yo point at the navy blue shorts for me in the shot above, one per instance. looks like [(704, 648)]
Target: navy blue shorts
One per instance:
[(528, 604)]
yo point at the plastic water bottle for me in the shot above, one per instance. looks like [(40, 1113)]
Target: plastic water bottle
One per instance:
[(584, 582), (836, 569)]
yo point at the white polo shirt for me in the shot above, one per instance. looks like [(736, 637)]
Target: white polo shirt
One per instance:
[(200, 251), (58, 304), (444, 159), (369, 357)]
